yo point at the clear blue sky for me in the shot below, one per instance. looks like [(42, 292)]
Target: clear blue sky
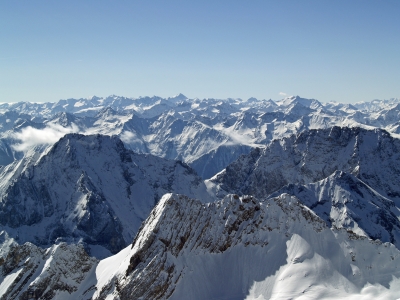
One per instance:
[(328, 50)]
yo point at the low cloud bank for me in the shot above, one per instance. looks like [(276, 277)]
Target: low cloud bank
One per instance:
[(30, 136)]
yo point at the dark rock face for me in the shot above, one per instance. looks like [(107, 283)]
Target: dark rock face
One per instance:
[(216, 160), (344, 201), (373, 156), (98, 224), (16, 206), (59, 269)]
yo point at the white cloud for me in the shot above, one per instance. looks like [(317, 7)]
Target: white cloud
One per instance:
[(129, 138), (282, 94), (31, 136)]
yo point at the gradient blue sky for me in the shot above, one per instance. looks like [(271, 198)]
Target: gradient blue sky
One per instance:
[(346, 51)]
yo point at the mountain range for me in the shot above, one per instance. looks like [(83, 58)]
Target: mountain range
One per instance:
[(177, 198), (212, 132)]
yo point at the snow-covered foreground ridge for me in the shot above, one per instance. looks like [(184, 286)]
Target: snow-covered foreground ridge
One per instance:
[(236, 248)]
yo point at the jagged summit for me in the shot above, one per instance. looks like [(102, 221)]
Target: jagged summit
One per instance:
[(64, 119), (178, 97), (105, 112), (370, 155)]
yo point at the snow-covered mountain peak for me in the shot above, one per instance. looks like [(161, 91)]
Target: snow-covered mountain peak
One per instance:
[(298, 109), (64, 119), (93, 98), (313, 155), (252, 100), (90, 188), (177, 98), (107, 113), (97, 145)]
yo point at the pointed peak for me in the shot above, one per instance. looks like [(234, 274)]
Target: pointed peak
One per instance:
[(93, 98), (179, 97), (106, 111)]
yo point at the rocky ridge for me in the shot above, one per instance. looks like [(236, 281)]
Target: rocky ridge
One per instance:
[(232, 247), (29, 272)]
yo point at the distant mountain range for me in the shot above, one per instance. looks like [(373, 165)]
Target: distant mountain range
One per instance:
[(210, 132)]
